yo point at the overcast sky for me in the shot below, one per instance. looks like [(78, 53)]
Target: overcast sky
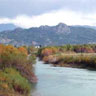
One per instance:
[(28, 13)]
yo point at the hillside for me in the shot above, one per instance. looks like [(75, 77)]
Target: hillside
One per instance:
[(49, 35)]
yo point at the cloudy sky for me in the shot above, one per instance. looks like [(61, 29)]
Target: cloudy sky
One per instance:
[(29, 13)]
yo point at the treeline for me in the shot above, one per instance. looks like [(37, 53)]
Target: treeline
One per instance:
[(16, 70), (70, 55)]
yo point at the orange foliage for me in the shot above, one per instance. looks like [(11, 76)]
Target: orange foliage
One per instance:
[(10, 55), (4, 85), (1, 48), (45, 58), (23, 50), (48, 51), (11, 49)]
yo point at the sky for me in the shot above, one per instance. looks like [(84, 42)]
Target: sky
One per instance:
[(33, 13)]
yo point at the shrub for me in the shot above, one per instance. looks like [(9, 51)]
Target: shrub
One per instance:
[(11, 60), (12, 79)]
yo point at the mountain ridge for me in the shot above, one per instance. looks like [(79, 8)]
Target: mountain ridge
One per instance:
[(49, 35), (9, 26)]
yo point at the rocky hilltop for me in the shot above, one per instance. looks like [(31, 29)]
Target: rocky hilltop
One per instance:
[(49, 35)]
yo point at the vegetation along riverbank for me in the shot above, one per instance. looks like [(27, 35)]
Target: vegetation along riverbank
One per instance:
[(16, 70), (78, 56)]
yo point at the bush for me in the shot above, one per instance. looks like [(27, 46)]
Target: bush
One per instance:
[(11, 79), (11, 60)]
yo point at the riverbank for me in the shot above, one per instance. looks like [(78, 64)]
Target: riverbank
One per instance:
[(76, 56), (76, 60), (16, 70)]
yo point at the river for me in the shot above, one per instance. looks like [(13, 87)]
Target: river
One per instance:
[(61, 81)]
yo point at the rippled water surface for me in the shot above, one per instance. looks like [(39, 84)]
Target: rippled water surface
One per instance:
[(61, 81)]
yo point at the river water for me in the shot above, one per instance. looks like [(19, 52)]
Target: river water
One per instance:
[(61, 81)]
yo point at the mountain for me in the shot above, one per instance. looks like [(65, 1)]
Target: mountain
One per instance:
[(85, 26), (4, 27), (49, 35)]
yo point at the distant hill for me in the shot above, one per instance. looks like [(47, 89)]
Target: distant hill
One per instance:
[(85, 26), (49, 35), (4, 27)]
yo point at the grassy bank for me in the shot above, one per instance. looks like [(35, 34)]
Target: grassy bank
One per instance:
[(16, 70), (11, 80), (79, 56)]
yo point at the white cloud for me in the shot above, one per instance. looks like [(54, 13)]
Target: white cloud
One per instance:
[(52, 18), (4, 20)]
